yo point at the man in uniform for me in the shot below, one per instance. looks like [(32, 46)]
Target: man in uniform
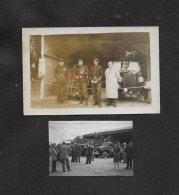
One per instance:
[(81, 72), (61, 74), (89, 153), (96, 75)]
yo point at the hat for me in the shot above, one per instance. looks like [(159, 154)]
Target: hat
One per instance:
[(96, 59), (61, 60)]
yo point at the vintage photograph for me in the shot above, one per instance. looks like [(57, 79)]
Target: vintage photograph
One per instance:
[(91, 148), (91, 70)]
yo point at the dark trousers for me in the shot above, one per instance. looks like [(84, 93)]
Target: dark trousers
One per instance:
[(54, 165), (61, 91), (96, 90), (73, 156), (88, 159), (82, 88), (77, 158), (129, 162), (65, 161)]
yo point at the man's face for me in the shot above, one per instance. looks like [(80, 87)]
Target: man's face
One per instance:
[(110, 64), (96, 62), (80, 62), (61, 63)]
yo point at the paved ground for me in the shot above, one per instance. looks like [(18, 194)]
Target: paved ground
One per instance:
[(51, 102), (98, 167)]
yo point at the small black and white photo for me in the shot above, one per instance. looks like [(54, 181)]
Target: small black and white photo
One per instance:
[(91, 148), (91, 70)]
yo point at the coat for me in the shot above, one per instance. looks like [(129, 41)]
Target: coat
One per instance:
[(53, 154), (96, 73), (64, 152), (77, 149), (111, 83), (129, 151), (61, 74)]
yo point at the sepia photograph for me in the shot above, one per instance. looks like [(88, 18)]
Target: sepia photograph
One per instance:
[(91, 148), (91, 70)]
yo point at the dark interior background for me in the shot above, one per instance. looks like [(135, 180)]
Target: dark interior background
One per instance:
[(24, 139)]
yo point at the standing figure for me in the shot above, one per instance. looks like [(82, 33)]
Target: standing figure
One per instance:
[(89, 154), (58, 152), (92, 156), (96, 74), (129, 154), (54, 158), (81, 72), (112, 77), (61, 75), (124, 153), (116, 160), (77, 149), (73, 153), (64, 156)]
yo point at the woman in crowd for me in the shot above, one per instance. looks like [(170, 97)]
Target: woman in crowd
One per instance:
[(116, 160), (112, 76)]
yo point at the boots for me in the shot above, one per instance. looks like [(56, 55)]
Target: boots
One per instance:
[(81, 101), (86, 101)]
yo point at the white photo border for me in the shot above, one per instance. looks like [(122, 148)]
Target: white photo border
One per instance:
[(154, 107)]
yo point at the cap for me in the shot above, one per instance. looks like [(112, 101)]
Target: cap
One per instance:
[(96, 59)]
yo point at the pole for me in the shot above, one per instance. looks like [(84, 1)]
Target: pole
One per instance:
[(42, 76)]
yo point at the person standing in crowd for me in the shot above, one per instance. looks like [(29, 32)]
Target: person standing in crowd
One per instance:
[(54, 158), (112, 77), (129, 154), (81, 72), (124, 153), (92, 156), (72, 153), (89, 154), (50, 149), (58, 152), (77, 149), (95, 75), (61, 75), (116, 160), (64, 156)]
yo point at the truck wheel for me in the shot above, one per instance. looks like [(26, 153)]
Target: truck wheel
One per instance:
[(147, 96), (105, 154)]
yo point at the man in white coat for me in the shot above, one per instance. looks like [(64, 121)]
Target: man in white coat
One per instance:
[(112, 76)]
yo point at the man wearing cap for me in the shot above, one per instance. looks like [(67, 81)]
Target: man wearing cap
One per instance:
[(96, 75), (61, 74), (81, 72)]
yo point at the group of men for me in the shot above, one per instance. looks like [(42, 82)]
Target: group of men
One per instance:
[(62, 152), (81, 74)]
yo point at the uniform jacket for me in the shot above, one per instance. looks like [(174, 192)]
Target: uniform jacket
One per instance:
[(96, 73), (90, 149), (61, 74), (80, 73), (53, 154)]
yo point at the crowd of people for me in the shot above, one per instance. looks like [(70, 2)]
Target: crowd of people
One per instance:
[(81, 74), (126, 151), (61, 152)]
